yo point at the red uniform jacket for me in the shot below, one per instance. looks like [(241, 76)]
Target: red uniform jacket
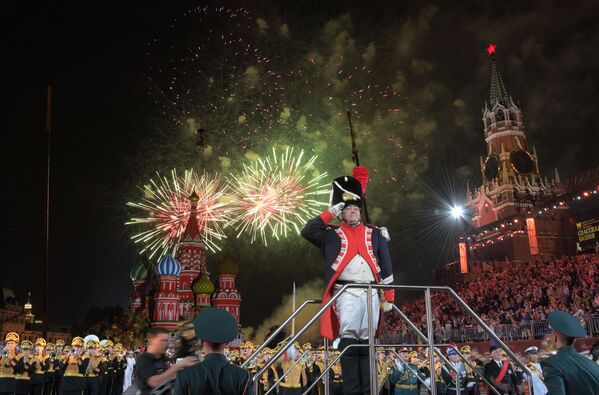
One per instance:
[(338, 245)]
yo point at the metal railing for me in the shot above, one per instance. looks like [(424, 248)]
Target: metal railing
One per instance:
[(424, 338), (371, 331), (334, 361), (521, 331), (257, 351)]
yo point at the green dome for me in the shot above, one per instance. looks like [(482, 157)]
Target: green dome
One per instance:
[(203, 286), (227, 266), (138, 272)]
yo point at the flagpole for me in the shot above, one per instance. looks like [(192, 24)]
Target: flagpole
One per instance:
[(293, 310), (46, 225)]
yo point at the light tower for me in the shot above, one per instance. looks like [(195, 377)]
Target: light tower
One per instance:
[(513, 187), (28, 309)]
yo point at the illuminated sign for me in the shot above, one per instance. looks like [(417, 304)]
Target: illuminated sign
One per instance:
[(587, 231), (532, 236)]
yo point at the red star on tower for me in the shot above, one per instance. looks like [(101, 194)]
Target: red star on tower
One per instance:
[(491, 49)]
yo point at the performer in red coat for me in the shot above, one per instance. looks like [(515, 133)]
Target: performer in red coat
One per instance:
[(353, 253)]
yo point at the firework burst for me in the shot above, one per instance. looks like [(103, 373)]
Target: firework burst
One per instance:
[(274, 195), (167, 206)]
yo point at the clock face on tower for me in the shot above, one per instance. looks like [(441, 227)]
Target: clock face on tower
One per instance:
[(522, 161), (491, 167)]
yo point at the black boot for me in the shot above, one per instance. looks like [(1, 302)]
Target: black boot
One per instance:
[(350, 367), (364, 357)]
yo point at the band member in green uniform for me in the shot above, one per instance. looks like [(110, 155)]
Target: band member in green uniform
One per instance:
[(568, 372), (214, 375), (403, 377)]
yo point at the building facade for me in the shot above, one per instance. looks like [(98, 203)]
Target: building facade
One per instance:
[(184, 286), (19, 318)]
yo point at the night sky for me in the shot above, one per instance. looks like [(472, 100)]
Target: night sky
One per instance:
[(115, 124)]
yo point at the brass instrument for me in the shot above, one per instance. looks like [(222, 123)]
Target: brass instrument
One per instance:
[(384, 371)]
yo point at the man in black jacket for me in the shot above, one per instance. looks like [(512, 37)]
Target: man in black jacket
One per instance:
[(151, 367), (500, 373)]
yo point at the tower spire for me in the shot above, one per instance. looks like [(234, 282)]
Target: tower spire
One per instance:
[(192, 229), (497, 93)]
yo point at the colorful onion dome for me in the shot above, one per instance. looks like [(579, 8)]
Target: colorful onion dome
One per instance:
[(138, 272), (227, 266), (203, 286), (168, 266)]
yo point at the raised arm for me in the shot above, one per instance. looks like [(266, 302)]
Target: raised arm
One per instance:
[(315, 229)]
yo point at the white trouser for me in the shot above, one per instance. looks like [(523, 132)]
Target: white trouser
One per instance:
[(352, 313)]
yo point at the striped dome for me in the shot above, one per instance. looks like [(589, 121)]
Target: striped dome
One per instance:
[(227, 266), (168, 266), (203, 286), (138, 272)]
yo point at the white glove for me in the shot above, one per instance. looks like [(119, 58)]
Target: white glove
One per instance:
[(427, 381), (399, 366), (385, 233), (386, 306), (336, 209)]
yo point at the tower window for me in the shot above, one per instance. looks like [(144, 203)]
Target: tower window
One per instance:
[(500, 115)]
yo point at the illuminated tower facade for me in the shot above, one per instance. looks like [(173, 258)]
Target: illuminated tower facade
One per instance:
[(227, 296), (191, 255), (138, 275), (166, 300), (28, 309), (513, 187)]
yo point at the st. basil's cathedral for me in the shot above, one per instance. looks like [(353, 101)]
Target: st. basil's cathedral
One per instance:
[(184, 284)]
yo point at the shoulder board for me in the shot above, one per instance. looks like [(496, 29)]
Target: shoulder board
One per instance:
[(371, 226), (332, 227)]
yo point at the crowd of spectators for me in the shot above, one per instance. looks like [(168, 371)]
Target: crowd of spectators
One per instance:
[(514, 302)]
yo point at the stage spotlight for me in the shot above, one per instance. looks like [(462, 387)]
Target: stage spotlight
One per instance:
[(457, 212)]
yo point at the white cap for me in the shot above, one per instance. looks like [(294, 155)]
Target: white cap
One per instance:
[(91, 337), (532, 350)]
